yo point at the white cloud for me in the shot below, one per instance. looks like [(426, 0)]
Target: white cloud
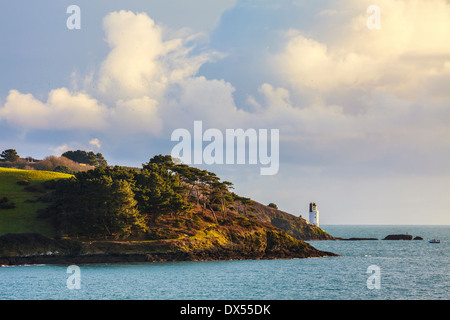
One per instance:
[(137, 115), (198, 98), (133, 83), (142, 63), (131, 68), (410, 50), (309, 64), (62, 110), (149, 83), (59, 150), (96, 143)]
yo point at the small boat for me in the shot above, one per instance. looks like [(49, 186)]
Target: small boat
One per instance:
[(434, 241)]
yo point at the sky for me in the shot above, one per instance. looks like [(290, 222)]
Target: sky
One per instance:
[(359, 92)]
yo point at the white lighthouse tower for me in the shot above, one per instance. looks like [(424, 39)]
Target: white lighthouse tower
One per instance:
[(313, 214)]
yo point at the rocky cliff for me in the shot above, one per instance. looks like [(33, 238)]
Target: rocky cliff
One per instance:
[(296, 227), (235, 238)]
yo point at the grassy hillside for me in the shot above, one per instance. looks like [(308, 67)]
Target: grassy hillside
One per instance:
[(22, 218)]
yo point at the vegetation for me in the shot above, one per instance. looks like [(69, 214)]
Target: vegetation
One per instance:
[(89, 158), (162, 211), (9, 155), (6, 204), (272, 205), (122, 202), (74, 161), (22, 217), (60, 164)]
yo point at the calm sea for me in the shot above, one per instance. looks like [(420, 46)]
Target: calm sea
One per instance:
[(369, 270)]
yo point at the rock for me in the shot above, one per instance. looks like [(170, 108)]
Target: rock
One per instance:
[(418, 238), (30, 244), (398, 237)]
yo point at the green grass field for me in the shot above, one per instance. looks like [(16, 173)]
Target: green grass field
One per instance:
[(22, 218)]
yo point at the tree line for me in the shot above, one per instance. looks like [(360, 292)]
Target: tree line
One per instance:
[(80, 156), (69, 162), (122, 202)]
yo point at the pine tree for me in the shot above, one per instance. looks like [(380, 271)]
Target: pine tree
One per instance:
[(10, 155)]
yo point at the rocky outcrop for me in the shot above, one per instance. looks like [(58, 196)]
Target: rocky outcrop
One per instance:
[(402, 237), (398, 237), (218, 244), (296, 227), (35, 244)]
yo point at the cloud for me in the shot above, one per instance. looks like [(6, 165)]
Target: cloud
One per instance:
[(132, 84), (96, 143), (63, 110), (408, 52), (198, 98), (131, 68), (310, 64), (59, 150), (142, 63), (350, 91), (140, 113)]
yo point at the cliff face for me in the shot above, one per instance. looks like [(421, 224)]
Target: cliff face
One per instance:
[(235, 237), (295, 226)]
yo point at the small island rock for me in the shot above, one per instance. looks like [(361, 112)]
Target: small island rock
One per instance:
[(398, 237)]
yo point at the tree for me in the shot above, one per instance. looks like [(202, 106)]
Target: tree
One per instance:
[(220, 194), (101, 161), (95, 205), (158, 189), (10, 155), (245, 202), (273, 205), (63, 169), (124, 218), (89, 158)]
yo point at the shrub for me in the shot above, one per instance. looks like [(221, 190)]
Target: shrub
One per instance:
[(50, 184), (35, 188), (63, 169), (23, 182), (6, 204), (60, 164), (9, 205), (273, 205)]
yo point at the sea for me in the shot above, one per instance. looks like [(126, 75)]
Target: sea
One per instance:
[(365, 270)]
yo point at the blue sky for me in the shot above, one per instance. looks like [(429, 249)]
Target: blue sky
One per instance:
[(363, 114)]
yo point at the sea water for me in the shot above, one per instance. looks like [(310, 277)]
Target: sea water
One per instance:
[(403, 270)]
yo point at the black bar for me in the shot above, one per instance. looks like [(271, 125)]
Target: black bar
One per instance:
[(220, 309)]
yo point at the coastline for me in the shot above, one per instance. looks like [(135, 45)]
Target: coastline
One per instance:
[(33, 249), (143, 258)]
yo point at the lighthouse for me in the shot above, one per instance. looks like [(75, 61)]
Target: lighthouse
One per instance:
[(313, 214)]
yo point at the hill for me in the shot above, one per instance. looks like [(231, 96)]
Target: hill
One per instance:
[(163, 212), (22, 188), (176, 239)]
